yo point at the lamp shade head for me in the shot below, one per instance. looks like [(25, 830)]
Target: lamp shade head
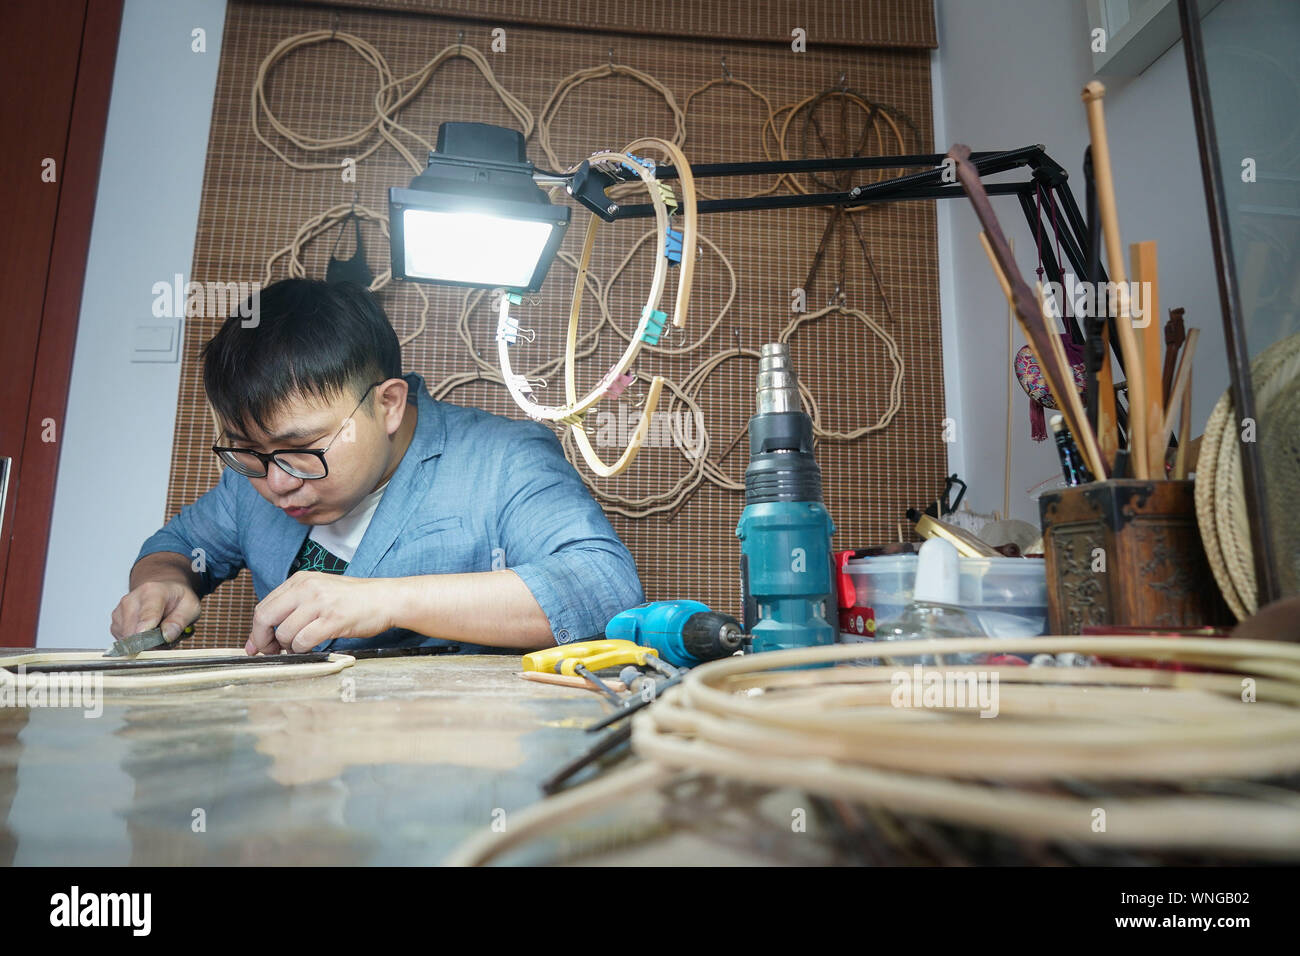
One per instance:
[(475, 217)]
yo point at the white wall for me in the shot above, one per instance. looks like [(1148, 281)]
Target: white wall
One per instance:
[(117, 438), (1009, 73)]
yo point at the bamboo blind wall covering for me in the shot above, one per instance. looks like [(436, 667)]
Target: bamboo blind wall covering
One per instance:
[(253, 204), (866, 23)]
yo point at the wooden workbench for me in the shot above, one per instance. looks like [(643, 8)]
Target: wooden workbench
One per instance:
[(429, 751)]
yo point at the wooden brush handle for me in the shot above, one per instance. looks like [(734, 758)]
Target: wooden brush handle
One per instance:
[(1137, 400)]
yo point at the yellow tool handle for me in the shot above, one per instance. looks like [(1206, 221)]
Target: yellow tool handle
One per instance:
[(551, 659), (632, 654)]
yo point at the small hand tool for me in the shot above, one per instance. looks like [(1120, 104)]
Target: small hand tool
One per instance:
[(610, 694), (681, 633), (583, 658), (145, 641), (634, 703), (610, 741)]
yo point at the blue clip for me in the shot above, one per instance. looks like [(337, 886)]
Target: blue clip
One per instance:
[(515, 298), (673, 246), (654, 327), (647, 163)]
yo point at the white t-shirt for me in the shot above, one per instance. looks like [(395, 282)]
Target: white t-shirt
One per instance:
[(343, 536)]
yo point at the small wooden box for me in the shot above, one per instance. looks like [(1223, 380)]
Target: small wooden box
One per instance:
[(1129, 553)]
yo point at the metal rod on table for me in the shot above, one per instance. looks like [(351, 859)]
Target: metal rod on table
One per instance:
[(181, 662), (603, 746)]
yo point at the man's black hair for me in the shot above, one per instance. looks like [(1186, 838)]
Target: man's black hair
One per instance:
[(304, 337)]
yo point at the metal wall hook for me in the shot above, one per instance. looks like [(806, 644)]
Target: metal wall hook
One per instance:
[(726, 73), (736, 333), (611, 57), (844, 82), (334, 25), (460, 39)]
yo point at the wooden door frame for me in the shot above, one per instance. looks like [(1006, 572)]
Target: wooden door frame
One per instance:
[(30, 503)]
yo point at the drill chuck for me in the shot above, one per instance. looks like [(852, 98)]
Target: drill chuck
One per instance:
[(709, 635)]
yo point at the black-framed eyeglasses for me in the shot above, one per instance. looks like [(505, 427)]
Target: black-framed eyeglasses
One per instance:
[(307, 463)]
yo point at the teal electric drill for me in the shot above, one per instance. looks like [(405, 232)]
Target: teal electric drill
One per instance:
[(786, 565), (685, 633)]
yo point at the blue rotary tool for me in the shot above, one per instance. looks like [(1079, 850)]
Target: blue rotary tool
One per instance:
[(685, 633)]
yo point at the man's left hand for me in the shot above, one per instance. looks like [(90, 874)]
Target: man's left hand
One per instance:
[(312, 606)]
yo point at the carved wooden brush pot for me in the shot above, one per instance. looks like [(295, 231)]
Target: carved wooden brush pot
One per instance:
[(1127, 552)]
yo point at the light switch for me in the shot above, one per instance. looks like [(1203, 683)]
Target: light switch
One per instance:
[(157, 340)]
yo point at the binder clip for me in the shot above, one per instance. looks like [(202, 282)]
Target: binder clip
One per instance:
[(654, 327), (673, 246), (620, 384)]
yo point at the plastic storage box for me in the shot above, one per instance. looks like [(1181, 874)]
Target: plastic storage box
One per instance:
[(1008, 594)]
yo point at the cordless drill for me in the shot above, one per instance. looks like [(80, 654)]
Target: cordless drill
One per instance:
[(786, 566), (685, 633)]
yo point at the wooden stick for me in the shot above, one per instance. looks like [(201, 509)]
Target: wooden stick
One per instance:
[(1032, 323), (1181, 381), (1184, 432), (565, 680), (1175, 336), (1137, 399), (1011, 324), (1107, 417), (1142, 256)]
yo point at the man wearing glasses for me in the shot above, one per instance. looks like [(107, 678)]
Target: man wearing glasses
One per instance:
[(369, 514)]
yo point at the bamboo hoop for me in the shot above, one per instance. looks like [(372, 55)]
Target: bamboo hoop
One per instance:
[(827, 732)]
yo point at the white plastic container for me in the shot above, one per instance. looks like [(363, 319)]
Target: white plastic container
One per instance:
[(884, 584), (1008, 594)]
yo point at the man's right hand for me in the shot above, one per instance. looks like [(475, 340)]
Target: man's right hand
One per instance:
[(170, 603)]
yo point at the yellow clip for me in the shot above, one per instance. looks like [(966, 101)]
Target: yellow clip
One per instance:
[(670, 198)]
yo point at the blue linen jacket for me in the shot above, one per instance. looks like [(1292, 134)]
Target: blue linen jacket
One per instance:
[(473, 492)]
